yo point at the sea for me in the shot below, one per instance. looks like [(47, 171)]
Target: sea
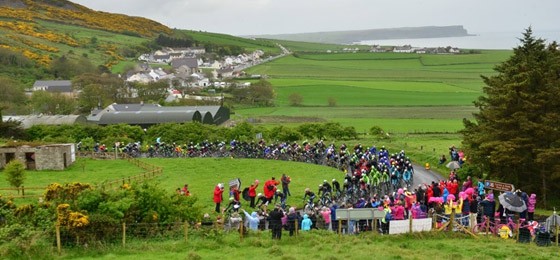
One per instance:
[(483, 40)]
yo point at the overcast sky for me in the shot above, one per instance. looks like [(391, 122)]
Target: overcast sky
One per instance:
[(254, 17)]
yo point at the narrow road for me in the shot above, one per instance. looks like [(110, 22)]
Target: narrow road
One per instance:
[(421, 175)]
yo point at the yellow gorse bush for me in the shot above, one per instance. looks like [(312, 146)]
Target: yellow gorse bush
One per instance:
[(70, 219)]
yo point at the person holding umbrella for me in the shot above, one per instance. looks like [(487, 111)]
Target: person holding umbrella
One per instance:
[(512, 202)]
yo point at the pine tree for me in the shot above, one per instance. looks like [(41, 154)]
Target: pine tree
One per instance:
[(515, 136)]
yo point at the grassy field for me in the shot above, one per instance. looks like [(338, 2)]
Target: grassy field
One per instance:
[(402, 93), (267, 46), (202, 175), (322, 245), (315, 47)]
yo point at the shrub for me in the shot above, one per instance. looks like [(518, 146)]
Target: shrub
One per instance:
[(15, 173)]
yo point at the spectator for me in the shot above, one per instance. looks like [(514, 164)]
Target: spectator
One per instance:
[(286, 180), (306, 223), (326, 213), (218, 191), (398, 211), (531, 206), (185, 190), (252, 220), (488, 207), (253, 193), (442, 159), (293, 220), (385, 220), (269, 189), (276, 222)]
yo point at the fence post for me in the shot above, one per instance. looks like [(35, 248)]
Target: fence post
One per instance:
[(58, 244), (557, 231), (487, 225), (451, 219), (241, 225), (186, 231), (340, 228), (124, 234), (434, 220), (517, 230), (296, 227), (22, 190), (410, 223)]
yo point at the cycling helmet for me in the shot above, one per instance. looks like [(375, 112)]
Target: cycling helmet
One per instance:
[(306, 189), (333, 180)]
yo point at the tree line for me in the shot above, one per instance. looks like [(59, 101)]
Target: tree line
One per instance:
[(515, 136)]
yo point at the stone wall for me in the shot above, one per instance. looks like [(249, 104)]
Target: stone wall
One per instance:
[(45, 157)]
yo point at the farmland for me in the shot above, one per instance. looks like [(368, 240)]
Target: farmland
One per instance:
[(401, 92)]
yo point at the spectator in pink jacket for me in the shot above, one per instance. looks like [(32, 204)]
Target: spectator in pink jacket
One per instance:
[(326, 212), (531, 206), (398, 211)]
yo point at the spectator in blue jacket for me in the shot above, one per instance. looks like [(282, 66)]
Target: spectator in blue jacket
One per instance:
[(252, 220), (306, 223)]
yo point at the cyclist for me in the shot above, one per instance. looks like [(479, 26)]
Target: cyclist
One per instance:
[(326, 187), (394, 180), (310, 194), (336, 187)]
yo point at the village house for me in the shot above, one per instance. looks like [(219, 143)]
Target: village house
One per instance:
[(403, 49), (54, 86), (191, 63), (377, 48)]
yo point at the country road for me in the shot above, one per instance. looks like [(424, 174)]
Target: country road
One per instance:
[(421, 175)]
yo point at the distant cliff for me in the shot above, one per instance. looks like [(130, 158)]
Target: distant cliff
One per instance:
[(348, 37)]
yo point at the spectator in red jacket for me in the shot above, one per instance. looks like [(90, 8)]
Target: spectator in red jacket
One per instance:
[(270, 189), (218, 191), (253, 192)]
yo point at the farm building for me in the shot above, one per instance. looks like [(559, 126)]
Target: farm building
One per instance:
[(146, 119), (29, 121), (146, 115), (43, 157)]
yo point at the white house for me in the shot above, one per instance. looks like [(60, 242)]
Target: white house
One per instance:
[(403, 49)]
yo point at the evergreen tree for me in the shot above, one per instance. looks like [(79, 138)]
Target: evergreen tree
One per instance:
[(515, 136)]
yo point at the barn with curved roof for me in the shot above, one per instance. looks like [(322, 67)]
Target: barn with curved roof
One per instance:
[(150, 114), (149, 118)]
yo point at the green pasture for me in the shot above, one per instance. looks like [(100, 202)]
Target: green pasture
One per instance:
[(83, 170), (415, 92), (319, 95), (202, 175), (296, 46), (223, 39)]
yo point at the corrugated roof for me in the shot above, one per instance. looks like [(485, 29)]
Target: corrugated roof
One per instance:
[(149, 117), (52, 83), (29, 121)]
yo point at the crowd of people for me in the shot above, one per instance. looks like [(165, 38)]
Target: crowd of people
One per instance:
[(375, 178)]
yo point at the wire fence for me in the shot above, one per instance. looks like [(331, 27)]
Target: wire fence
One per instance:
[(120, 233), (151, 171)]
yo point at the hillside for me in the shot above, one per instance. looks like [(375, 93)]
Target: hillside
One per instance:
[(34, 34), (349, 37)]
